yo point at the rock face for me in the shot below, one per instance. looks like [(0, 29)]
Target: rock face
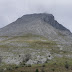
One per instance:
[(42, 24), (39, 35)]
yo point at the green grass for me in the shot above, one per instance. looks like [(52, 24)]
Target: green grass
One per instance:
[(33, 41), (36, 42)]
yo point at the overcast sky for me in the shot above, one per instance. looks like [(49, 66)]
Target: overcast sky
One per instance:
[(10, 10)]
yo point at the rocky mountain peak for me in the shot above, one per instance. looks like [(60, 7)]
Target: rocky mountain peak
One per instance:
[(31, 17), (48, 18), (41, 23)]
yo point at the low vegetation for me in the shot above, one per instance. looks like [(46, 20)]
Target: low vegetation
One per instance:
[(34, 47), (0, 59), (63, 65)]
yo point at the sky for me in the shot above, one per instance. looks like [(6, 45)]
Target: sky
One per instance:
[(10, 10)]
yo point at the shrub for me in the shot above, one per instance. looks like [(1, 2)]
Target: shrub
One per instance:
[(22, 71), (1, 70), (29, 65), (37, 70), (26, 57), (43, 65), (53, 70), (9, 69), (66, 65), (16, 67), (22, 64), (0, 59), (55, 64)]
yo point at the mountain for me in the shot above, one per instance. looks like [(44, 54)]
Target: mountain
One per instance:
[(34, 23), (38, 24), (35, 39)]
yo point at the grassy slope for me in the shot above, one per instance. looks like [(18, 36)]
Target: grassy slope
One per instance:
[(35, 42), (59, 65)]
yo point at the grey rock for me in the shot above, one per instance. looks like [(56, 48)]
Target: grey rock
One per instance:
[(42, 25)]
